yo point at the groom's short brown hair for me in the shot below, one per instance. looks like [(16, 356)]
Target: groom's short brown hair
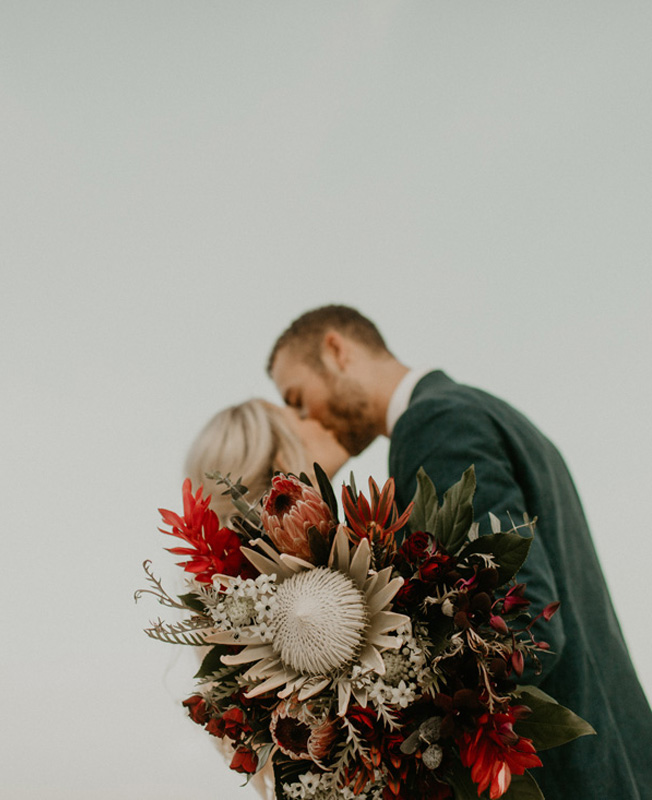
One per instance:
[(307, 332)]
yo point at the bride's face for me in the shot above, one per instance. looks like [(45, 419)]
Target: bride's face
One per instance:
[(320, 444)]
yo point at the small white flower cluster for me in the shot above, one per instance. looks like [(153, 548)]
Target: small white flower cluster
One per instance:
[(322, 786), (405, 673), (247, 604)]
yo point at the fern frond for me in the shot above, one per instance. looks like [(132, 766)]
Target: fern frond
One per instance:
[(189, 632), (350, 749), (387, 716)]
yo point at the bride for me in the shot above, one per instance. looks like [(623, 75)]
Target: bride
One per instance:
[(251, 441)]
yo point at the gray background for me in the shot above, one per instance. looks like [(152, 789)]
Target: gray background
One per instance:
[(179, 180)]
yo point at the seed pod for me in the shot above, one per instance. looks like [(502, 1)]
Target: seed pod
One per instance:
[(432, 756), (462, 620), (481, 602), (430, 729)]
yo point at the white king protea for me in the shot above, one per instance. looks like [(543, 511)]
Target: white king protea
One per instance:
[(326, 620)]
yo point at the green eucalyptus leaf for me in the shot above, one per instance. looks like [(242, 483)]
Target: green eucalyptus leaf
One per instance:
[(550, 724), (212, 661), (426, 504), (508, 549), (411, 744), (263, 754), (455, 516)]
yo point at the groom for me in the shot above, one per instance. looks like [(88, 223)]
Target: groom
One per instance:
[(332, 365)]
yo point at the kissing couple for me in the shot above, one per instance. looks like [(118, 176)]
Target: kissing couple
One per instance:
[(342, 387)]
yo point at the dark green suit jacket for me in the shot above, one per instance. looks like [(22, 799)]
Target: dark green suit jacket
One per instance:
[(446, 428)]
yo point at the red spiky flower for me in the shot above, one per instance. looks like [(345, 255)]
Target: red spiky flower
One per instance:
[(378, 521), (495, 752), (212, 549)]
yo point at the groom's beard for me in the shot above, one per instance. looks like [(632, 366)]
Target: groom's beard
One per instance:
[(349, 416)]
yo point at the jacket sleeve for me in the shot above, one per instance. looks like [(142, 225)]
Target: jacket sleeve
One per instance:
[(445, 440)]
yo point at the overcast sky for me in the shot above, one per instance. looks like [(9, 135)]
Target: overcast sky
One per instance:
[(180, 180)]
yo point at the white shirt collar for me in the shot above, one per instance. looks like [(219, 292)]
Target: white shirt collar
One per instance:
[(401, 398)]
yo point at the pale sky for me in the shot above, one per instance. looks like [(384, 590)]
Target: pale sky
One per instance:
[(179, 181)]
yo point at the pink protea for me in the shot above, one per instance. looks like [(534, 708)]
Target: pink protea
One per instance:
[(298, 738), (289, 511)]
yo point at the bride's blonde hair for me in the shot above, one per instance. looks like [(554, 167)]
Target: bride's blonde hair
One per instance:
[(250, 441)]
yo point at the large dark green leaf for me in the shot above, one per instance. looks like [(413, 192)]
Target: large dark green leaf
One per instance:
[(212, 661), (549, 724), (509, 550), (455, 516), (523, 787), (426, 504), (459, 778), (326, 489)]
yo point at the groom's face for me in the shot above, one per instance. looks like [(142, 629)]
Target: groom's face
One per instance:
[(332, 397)]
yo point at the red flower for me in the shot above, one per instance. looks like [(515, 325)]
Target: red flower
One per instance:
[(495, 752), (289, 510), (411, 593), (415, 546), (232, 723), (212, 549), (197, 709), (437, 566), (378, 522), (244, 760), (515, 599)]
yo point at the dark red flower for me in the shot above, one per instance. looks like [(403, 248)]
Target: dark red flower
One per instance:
[(415, 546), (495, 752), (197, 709), (231, 723), (364, 720), (436, 566), (410, 594), (244, 760), (215, 728), (213, 549), (515, 599)]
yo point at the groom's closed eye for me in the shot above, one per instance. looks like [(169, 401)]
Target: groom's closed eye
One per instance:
[(293, 400)]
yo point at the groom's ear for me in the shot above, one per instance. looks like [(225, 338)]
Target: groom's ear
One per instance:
[(335, 351)]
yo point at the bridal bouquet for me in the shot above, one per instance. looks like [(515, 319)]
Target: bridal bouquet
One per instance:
[(361, 667)]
